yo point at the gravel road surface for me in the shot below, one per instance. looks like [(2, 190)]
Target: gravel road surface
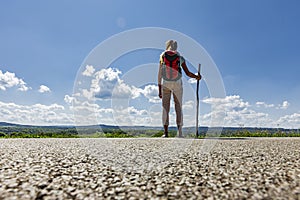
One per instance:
[(256, 168)]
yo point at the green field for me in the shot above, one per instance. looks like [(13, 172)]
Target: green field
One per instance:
[(136, 132)]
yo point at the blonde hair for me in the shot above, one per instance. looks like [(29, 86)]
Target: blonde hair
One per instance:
[(171, 45)]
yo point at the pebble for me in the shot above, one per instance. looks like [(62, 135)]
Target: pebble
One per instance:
[(253, 168)]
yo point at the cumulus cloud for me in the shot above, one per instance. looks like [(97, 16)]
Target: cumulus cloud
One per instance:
[(131, 116), (192, 81), (9, 79), (36, 114), (284, 105), (151, 92), (122, 90), (235, 111), (69, 99), (89, 70), (133, 111), (260, 104), (44, 88), (87, 94), (106, 84), (229, 103), (290, 121), (188, 105)]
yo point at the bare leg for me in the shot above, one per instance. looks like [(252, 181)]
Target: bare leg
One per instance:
[(166, 133), (179, 132), (166, 96), (178, 108)]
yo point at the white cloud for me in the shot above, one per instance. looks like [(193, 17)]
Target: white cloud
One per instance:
[(44, 88), (106, 84), (260, 104), (233, 111), (151, 92), (69, 99), (73, 99), (192, 81), (188, 105), (283, 106), (122, 90), (85, 107), (89, 70), (36, 114), (8, 80), (134, 111), (87, 94), (131, 116), (289, 121), (229, 103)]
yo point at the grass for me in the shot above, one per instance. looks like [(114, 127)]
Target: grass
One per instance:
[(118, 133), (246, 133)]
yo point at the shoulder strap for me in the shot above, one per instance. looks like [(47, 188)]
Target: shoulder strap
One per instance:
[(170, 55)]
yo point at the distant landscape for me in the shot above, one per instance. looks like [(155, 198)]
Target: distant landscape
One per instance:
[(11, 130)]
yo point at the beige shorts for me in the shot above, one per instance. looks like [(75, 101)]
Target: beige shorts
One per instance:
[(172, 88)]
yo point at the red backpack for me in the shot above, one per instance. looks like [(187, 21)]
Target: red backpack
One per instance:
[(171, 66)]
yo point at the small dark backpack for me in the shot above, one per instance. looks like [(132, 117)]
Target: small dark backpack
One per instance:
[(171, 66)]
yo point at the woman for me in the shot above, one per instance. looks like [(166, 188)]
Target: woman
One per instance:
[(169, 82)]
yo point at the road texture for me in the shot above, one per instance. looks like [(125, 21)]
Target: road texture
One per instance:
[(256, 168)]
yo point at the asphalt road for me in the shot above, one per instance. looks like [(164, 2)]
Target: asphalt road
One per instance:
[(266, 168)]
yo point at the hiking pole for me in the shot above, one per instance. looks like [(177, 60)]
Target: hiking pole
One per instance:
[(197, 95)]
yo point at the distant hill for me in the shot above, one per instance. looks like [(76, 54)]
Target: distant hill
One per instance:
[(103, 126), (8, 124)]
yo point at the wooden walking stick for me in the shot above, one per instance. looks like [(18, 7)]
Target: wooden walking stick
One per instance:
[(197, 95)]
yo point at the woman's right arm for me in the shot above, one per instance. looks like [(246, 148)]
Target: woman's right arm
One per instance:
[(188, 73)]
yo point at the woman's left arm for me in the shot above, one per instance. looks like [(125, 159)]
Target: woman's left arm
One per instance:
[(159, 80)]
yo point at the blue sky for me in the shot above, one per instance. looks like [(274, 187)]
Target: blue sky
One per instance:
[(254, 44)]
